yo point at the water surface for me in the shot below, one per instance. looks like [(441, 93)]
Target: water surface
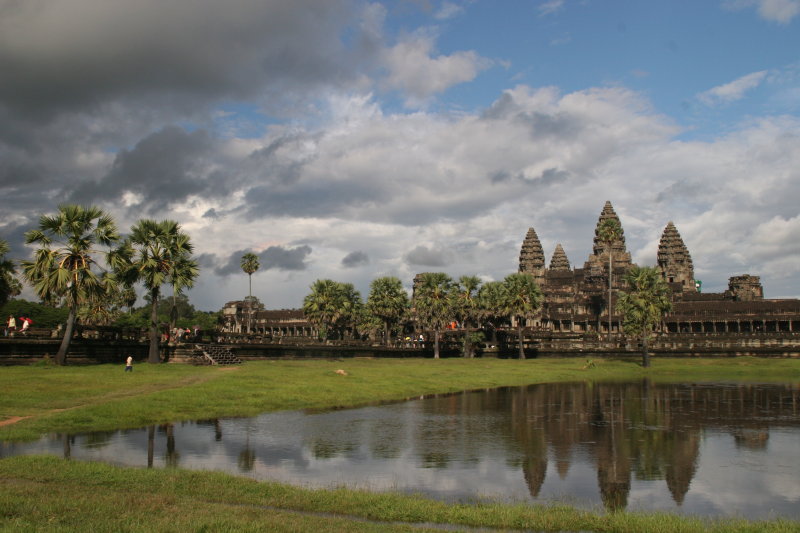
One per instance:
[(714, 450)]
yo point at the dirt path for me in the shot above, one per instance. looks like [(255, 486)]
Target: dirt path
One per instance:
[(12, 420)]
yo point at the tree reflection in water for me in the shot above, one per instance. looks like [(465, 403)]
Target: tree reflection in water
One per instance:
[(597, 442)]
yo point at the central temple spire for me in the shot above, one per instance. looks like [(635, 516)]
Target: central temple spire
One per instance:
[(597, 263), (674, 260)]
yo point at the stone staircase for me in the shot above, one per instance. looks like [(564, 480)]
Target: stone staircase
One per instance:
[(215, 355)]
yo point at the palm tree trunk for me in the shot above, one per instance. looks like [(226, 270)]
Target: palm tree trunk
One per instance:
[(249, 301), (386, 333), (154, 355), (436, 344), (61, 355), (645, 353), (610, 266), (519, 339)]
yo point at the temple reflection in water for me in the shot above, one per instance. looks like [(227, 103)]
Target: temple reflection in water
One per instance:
[(588, 442)]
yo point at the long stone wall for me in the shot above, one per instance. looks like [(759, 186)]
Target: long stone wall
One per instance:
[(784, 344)]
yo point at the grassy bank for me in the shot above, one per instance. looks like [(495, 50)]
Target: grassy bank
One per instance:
[(103, 397), (49, 494)]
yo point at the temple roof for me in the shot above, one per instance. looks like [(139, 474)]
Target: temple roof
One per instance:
[(559, 260), (619, 244), (531, 256), (671, 248)]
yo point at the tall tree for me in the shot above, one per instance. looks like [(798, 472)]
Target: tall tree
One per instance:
[(433, 304), (321, 306), (66, 266), (522, 300), (644, 305), (609, 231), (250, 265), (9, 286), (467, 310), (387, 301), (129, 298), (350, 308), (491, 301), (183, 273), (155, 253)]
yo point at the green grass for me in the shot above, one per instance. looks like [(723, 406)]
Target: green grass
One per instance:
[(49, 494), (98, 398)]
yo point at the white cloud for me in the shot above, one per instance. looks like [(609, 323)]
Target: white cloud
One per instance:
[(413, 69), (735, 90), (550, 6), (781, 11), (448, 10)]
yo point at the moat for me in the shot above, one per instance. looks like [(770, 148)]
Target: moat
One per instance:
[(726, 449)]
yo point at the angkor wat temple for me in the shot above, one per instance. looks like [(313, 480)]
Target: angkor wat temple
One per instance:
[(576, 299)]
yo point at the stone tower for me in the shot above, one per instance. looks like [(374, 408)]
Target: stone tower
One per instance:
[(531, 256), (598, 261), (674, 261), (745, 288), (559, 261)]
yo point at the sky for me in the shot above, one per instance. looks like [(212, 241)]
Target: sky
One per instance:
[(350, 139)]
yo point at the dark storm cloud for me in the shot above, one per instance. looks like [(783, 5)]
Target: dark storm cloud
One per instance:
[(14, 235), (355, 259), (424, 256), (164, 167), (274, 257), (310, 198), (58, 55)]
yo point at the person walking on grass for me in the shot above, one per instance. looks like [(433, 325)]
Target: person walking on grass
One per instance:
[(129, 364)]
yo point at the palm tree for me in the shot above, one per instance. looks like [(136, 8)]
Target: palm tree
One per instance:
[(64, 265), (350, 308), (9, 286), (608, 232), (433, 304), (157, 253), (129, 297), (491, 299), (644, 306), (467, 310), (522, 300), (183, 272), (103, 306), (387, 301), (321, 306), (250, 264)]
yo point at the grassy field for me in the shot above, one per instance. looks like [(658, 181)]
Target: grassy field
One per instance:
[(50, 494)]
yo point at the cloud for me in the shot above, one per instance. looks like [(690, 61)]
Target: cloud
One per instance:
[(94, 112), (274, 257), (78, 53), (428, 257), (448, 10), (164, 168), (550, 6), (355, 259), (735, 90), (780, 11), (413, 70)]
